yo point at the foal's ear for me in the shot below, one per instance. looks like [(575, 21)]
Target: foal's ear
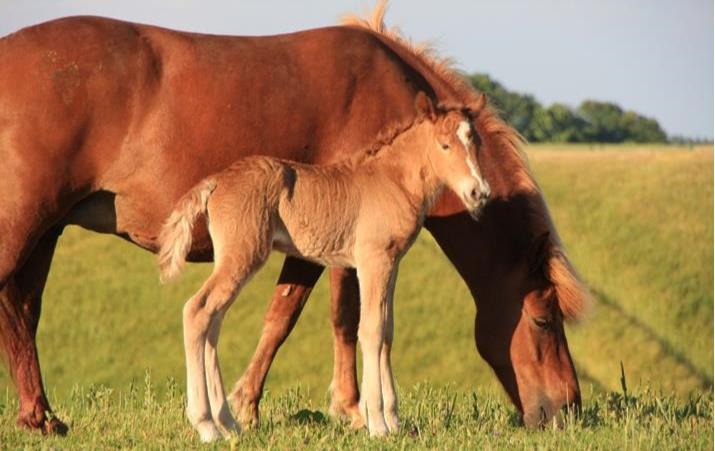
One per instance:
[(539, 252), (424, 106)]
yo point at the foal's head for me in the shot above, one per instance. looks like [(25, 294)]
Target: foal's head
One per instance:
[(452, 153)]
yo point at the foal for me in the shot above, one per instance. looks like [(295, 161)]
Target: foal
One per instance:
[(363, 214)]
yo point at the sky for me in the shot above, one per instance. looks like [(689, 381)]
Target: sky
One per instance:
[(651, 56)]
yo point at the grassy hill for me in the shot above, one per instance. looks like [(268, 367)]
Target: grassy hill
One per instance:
[(637, 221)]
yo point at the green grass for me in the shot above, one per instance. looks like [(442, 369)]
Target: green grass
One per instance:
[(432, 418), (638, 224)]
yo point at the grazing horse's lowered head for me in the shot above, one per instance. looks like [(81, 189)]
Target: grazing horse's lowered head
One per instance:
[(524, 286)]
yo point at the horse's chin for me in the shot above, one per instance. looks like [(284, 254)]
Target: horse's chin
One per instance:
[(546, 416)]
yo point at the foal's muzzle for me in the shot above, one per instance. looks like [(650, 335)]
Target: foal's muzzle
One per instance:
[(476, 197)]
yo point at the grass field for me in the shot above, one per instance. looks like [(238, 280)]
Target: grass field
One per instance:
[(638, 222)]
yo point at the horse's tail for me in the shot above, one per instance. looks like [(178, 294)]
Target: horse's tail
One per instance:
[(176, 233)]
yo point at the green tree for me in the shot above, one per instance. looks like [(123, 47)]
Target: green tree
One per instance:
[(593, 121)]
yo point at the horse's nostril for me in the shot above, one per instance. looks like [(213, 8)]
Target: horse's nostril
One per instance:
[(475, 194)]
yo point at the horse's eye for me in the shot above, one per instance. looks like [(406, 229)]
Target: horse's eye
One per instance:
[(542, 323), (445, 146)]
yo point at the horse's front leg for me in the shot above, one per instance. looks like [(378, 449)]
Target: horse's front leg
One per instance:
[(345, 317), (295, 283), (374, 274)]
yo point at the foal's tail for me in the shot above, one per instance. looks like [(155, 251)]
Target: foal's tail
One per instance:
[(176, 234)]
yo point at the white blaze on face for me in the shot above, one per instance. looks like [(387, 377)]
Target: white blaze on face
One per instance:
[(463, 135)]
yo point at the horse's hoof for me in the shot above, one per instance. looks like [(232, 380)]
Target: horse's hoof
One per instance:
[(54, 426), (346, 411), (245, 410), (352, 414), (47, 426)]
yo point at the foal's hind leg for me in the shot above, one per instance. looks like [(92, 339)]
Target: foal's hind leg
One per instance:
[(217, 397), (237, 258), (203, 309)]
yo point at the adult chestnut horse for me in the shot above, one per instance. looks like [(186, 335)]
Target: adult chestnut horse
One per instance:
[(95, 114)]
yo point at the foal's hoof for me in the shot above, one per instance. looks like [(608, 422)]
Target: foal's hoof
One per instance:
[(47, 426), (357, 422), (208, 432), (244, 408), (393, 424), (378, 430)]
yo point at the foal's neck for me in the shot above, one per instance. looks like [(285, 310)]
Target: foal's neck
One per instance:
[(405, 161)]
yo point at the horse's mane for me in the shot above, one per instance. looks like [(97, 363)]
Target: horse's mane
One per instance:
[(497, 136), (488, 123)]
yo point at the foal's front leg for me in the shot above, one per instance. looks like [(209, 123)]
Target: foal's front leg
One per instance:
[(374, 277), (389, 394)]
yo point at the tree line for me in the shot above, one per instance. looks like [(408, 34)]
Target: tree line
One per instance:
[(591, 121)]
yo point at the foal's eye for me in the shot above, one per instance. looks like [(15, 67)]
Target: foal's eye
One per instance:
[(445, 146)]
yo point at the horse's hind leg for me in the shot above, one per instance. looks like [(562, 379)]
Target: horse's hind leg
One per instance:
[(345, 316), (20, 302), (295, 283)]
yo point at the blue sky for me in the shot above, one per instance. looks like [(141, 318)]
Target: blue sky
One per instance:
[(652, 56)]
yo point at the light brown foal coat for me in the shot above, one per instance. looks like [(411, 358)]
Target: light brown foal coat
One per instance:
[(362, 214)]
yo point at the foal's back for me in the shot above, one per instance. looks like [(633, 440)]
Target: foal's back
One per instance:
[(303, 210)]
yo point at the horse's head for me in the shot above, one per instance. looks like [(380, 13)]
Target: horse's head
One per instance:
[(522, 282), (452, 153), (520, 331)]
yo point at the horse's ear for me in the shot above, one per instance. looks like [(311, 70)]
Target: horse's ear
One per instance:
[(475, 107), (539, 252), (424, 106)]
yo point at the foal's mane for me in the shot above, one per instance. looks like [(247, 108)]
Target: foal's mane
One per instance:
[(497, 136), (387, 136)]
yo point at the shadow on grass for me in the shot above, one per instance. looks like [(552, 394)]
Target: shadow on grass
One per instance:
[(306, 416), (666, 347)]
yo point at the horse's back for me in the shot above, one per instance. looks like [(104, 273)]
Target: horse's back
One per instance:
[(90, 104)]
